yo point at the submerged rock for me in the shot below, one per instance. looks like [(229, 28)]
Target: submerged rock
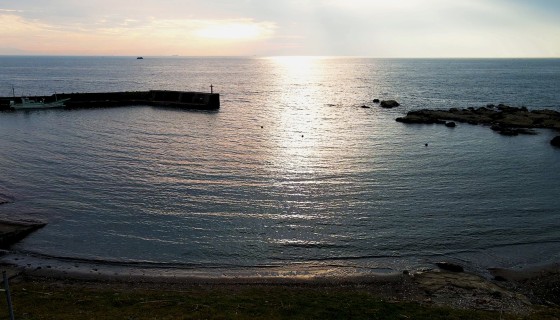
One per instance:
[(555, 141), (509, 131)]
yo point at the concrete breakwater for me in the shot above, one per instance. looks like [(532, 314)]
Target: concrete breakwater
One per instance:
[(165, 98)]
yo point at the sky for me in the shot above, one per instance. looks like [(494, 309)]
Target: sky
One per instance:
[(366, 28)]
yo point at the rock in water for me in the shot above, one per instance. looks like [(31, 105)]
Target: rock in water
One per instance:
[(389, 104), (375, 100), (450, 124), (555, 141)]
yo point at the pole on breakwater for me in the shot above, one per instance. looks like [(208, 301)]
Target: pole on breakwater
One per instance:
[(8, 297)]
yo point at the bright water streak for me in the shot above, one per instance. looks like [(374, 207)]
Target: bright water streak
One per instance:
[(290, 170)]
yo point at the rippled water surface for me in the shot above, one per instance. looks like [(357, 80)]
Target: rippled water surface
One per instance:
[(290, 170)]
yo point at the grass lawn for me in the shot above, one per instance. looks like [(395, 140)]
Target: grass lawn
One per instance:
[(44, 299)]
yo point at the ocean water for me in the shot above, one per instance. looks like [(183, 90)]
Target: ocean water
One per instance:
[(291, 170)]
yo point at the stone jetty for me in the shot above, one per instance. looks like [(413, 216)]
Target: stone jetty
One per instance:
[(163, 98)]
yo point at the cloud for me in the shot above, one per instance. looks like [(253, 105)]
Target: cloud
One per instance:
[(383, 28), (9, 10), (15, 26), (235, 30), (431, 28), (108, 36)]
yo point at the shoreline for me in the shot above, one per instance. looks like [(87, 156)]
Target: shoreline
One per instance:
[(302, 273), (91, 269), (518, 292), (41, 265)]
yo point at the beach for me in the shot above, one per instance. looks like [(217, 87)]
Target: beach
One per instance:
[(528, 294), (38, 285)]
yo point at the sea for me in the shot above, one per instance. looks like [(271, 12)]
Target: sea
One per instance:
[(292, 170)]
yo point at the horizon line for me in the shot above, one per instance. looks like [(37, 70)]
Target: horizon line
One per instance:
[(274, 56)]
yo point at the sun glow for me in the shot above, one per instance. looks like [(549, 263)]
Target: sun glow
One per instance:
[(298, 68)]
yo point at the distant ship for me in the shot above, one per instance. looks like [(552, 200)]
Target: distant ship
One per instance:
[(138, 58)]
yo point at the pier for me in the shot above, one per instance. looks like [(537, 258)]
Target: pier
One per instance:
[(163, 98)]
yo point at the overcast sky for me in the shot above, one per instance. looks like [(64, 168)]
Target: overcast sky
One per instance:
[(372, 28)]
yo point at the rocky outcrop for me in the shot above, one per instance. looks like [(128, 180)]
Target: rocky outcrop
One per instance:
[(540, 284), (388, 104), (555, 141), (469, 291), (503, 119)]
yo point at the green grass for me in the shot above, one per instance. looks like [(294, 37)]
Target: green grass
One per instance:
[(51, 300)]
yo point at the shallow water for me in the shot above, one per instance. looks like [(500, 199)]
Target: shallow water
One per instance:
[(290, 170)]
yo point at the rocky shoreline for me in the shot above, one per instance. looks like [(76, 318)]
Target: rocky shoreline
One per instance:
[(503, 119)]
